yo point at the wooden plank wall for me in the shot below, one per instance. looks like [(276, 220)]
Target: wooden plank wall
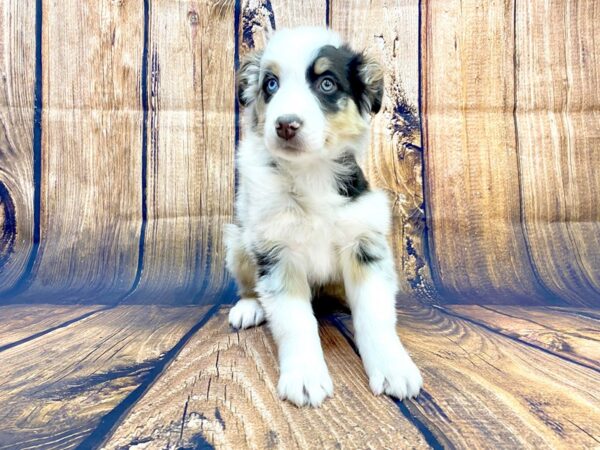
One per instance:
[(117, 143), (17, 166), (510, 117), (89, 150), (557, 119), (189, 149), (118, 133)]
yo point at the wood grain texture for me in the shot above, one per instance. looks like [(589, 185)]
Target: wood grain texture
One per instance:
[(21, 322), (17, 79), (478, 247), (55, 389), (190, 149), (485, 389), (91, 151), (138, 133), (389, 31), (259, 18), (558, 123), (570, 336), (588, 313), (493, 379), (221, 390)]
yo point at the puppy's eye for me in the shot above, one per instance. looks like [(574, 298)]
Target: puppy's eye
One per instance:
[(327, 85), (272, 85)]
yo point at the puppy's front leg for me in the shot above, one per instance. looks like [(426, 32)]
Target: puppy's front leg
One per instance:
[(285, 295), (371, 287)]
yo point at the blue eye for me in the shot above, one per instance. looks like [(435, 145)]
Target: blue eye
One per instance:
[(327, 85), (272, 85)]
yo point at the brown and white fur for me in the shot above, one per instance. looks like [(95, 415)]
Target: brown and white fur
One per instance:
[(305, 215)]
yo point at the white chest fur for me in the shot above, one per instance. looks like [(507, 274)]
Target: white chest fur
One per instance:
[(305, 213)]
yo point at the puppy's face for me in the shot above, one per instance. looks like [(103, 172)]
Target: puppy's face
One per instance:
[(308, 95)]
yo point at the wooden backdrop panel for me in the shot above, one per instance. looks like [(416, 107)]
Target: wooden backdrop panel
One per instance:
[(389, 30), (17, 80), (190, 150), (132, 176), (478, 247), (91, 150), (558, 123)]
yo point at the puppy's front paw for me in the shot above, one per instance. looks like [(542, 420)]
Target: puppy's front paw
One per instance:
[(246, 313), (305, 383), (391, 370)]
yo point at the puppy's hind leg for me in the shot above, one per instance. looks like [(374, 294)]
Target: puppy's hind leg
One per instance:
[(370, 282), (247, 312)]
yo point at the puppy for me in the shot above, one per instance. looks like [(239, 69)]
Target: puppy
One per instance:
[(306, 216)]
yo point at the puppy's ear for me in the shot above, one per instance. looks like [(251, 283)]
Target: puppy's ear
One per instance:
[(247, 78), (369, 75)]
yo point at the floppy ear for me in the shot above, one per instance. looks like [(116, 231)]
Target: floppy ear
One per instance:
[(370, 74), (247, 78)]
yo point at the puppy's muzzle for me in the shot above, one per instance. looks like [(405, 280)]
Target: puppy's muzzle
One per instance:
[(287, 126)]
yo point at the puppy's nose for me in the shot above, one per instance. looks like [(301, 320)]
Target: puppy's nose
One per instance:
[(287, 126)]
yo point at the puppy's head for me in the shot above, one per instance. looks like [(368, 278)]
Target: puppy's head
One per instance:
[(308, 95)]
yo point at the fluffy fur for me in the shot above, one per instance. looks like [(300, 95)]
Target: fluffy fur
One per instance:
[(305, 215)]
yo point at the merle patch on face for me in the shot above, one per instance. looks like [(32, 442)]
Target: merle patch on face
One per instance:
[(340, 66)]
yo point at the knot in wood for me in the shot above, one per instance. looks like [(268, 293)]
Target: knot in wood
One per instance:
[(8, 224), (193, 17)]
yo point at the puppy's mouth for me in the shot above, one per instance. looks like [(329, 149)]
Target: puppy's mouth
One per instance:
[(289, 147)]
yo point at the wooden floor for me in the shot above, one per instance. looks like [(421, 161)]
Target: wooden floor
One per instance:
[(146, 377)]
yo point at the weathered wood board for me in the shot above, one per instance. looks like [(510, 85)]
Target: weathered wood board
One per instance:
[(510, 117), (189, 152), (221, 390), (478, 247), (91, 140), (56, 389), (492, 380), (574, 337), (140, 138), (118, 133), (19, 323), (558, 122), (86, 163), (17, 166), (483, 389)]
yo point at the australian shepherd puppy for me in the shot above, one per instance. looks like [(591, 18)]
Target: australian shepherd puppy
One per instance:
[(306, 216)]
